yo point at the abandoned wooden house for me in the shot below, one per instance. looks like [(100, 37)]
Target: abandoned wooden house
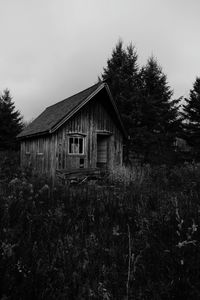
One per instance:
[(83, 131)]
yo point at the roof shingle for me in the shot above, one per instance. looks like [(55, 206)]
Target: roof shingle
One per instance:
[(55, 113)]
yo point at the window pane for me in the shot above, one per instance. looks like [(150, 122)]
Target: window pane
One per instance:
[(76, 149), (80, 145), (70, 145), (76, 145), (27, 146), (81, 162), (40, 145)]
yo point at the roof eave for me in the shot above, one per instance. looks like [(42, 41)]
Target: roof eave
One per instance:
[(33, 135), (76, 109)]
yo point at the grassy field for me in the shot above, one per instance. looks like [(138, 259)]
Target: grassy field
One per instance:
[(134, 235)]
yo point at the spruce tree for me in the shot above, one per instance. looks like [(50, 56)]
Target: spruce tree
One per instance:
[(191, 114), (144, 100), (122, 75), (159, 115), (10, 122)]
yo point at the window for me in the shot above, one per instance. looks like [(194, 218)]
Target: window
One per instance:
[(76, 145), (40, 146), (27, 147), (81, 163)]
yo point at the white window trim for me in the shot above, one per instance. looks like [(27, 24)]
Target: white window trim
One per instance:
[(79, 136)]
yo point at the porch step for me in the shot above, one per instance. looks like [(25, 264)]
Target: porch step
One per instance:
[(79, 175)]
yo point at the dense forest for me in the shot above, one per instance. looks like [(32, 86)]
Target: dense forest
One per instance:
[(134, 233), (154, 120)]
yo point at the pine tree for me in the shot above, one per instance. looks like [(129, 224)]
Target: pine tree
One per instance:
[(159, 114), (144, 101), (10, 122), (191, 114), (122, 74)]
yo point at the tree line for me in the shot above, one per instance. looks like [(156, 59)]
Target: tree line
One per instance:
[(152, 118)]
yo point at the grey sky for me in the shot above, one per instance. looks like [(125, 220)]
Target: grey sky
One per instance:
[(51, 49)]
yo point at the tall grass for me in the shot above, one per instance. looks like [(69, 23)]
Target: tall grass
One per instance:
[(127, 175), (135, 236)]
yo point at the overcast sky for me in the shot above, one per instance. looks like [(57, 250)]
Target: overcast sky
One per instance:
[(51, 49)]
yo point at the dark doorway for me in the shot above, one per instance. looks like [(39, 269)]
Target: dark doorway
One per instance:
[(102, 151)]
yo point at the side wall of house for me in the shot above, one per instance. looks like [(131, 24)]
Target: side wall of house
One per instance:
[(36, 153), (46, 154)]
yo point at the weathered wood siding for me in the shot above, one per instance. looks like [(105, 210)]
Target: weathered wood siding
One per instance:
[(93, 119), (36, 153), (51, 152)]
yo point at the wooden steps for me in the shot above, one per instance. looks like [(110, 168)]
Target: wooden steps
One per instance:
[(78, 175)]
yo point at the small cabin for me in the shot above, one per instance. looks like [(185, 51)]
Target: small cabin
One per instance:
[(82, 132)]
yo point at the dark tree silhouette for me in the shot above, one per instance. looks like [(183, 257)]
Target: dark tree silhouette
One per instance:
[(191, 114), (10, 122), (122, 75), (144, 100), (160, 123)]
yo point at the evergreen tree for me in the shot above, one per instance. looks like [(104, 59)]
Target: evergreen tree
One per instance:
[(159, 124), (10, 122), (122, 75), (191, 114), (144, 101)]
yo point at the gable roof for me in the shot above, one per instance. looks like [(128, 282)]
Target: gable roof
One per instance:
[(55, 115)]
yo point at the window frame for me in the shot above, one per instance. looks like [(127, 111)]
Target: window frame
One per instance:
[(27, 148), (79, 137), (39, 144)]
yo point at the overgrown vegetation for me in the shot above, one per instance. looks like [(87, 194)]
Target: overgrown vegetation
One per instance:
[(136, 238)]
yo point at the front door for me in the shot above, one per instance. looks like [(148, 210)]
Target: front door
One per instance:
[(102, 150)]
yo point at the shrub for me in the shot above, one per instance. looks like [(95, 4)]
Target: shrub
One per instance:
[(128, 175), (9, 164)]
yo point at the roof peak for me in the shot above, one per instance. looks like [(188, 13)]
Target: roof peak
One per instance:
[(76, 94), (53, 114)]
